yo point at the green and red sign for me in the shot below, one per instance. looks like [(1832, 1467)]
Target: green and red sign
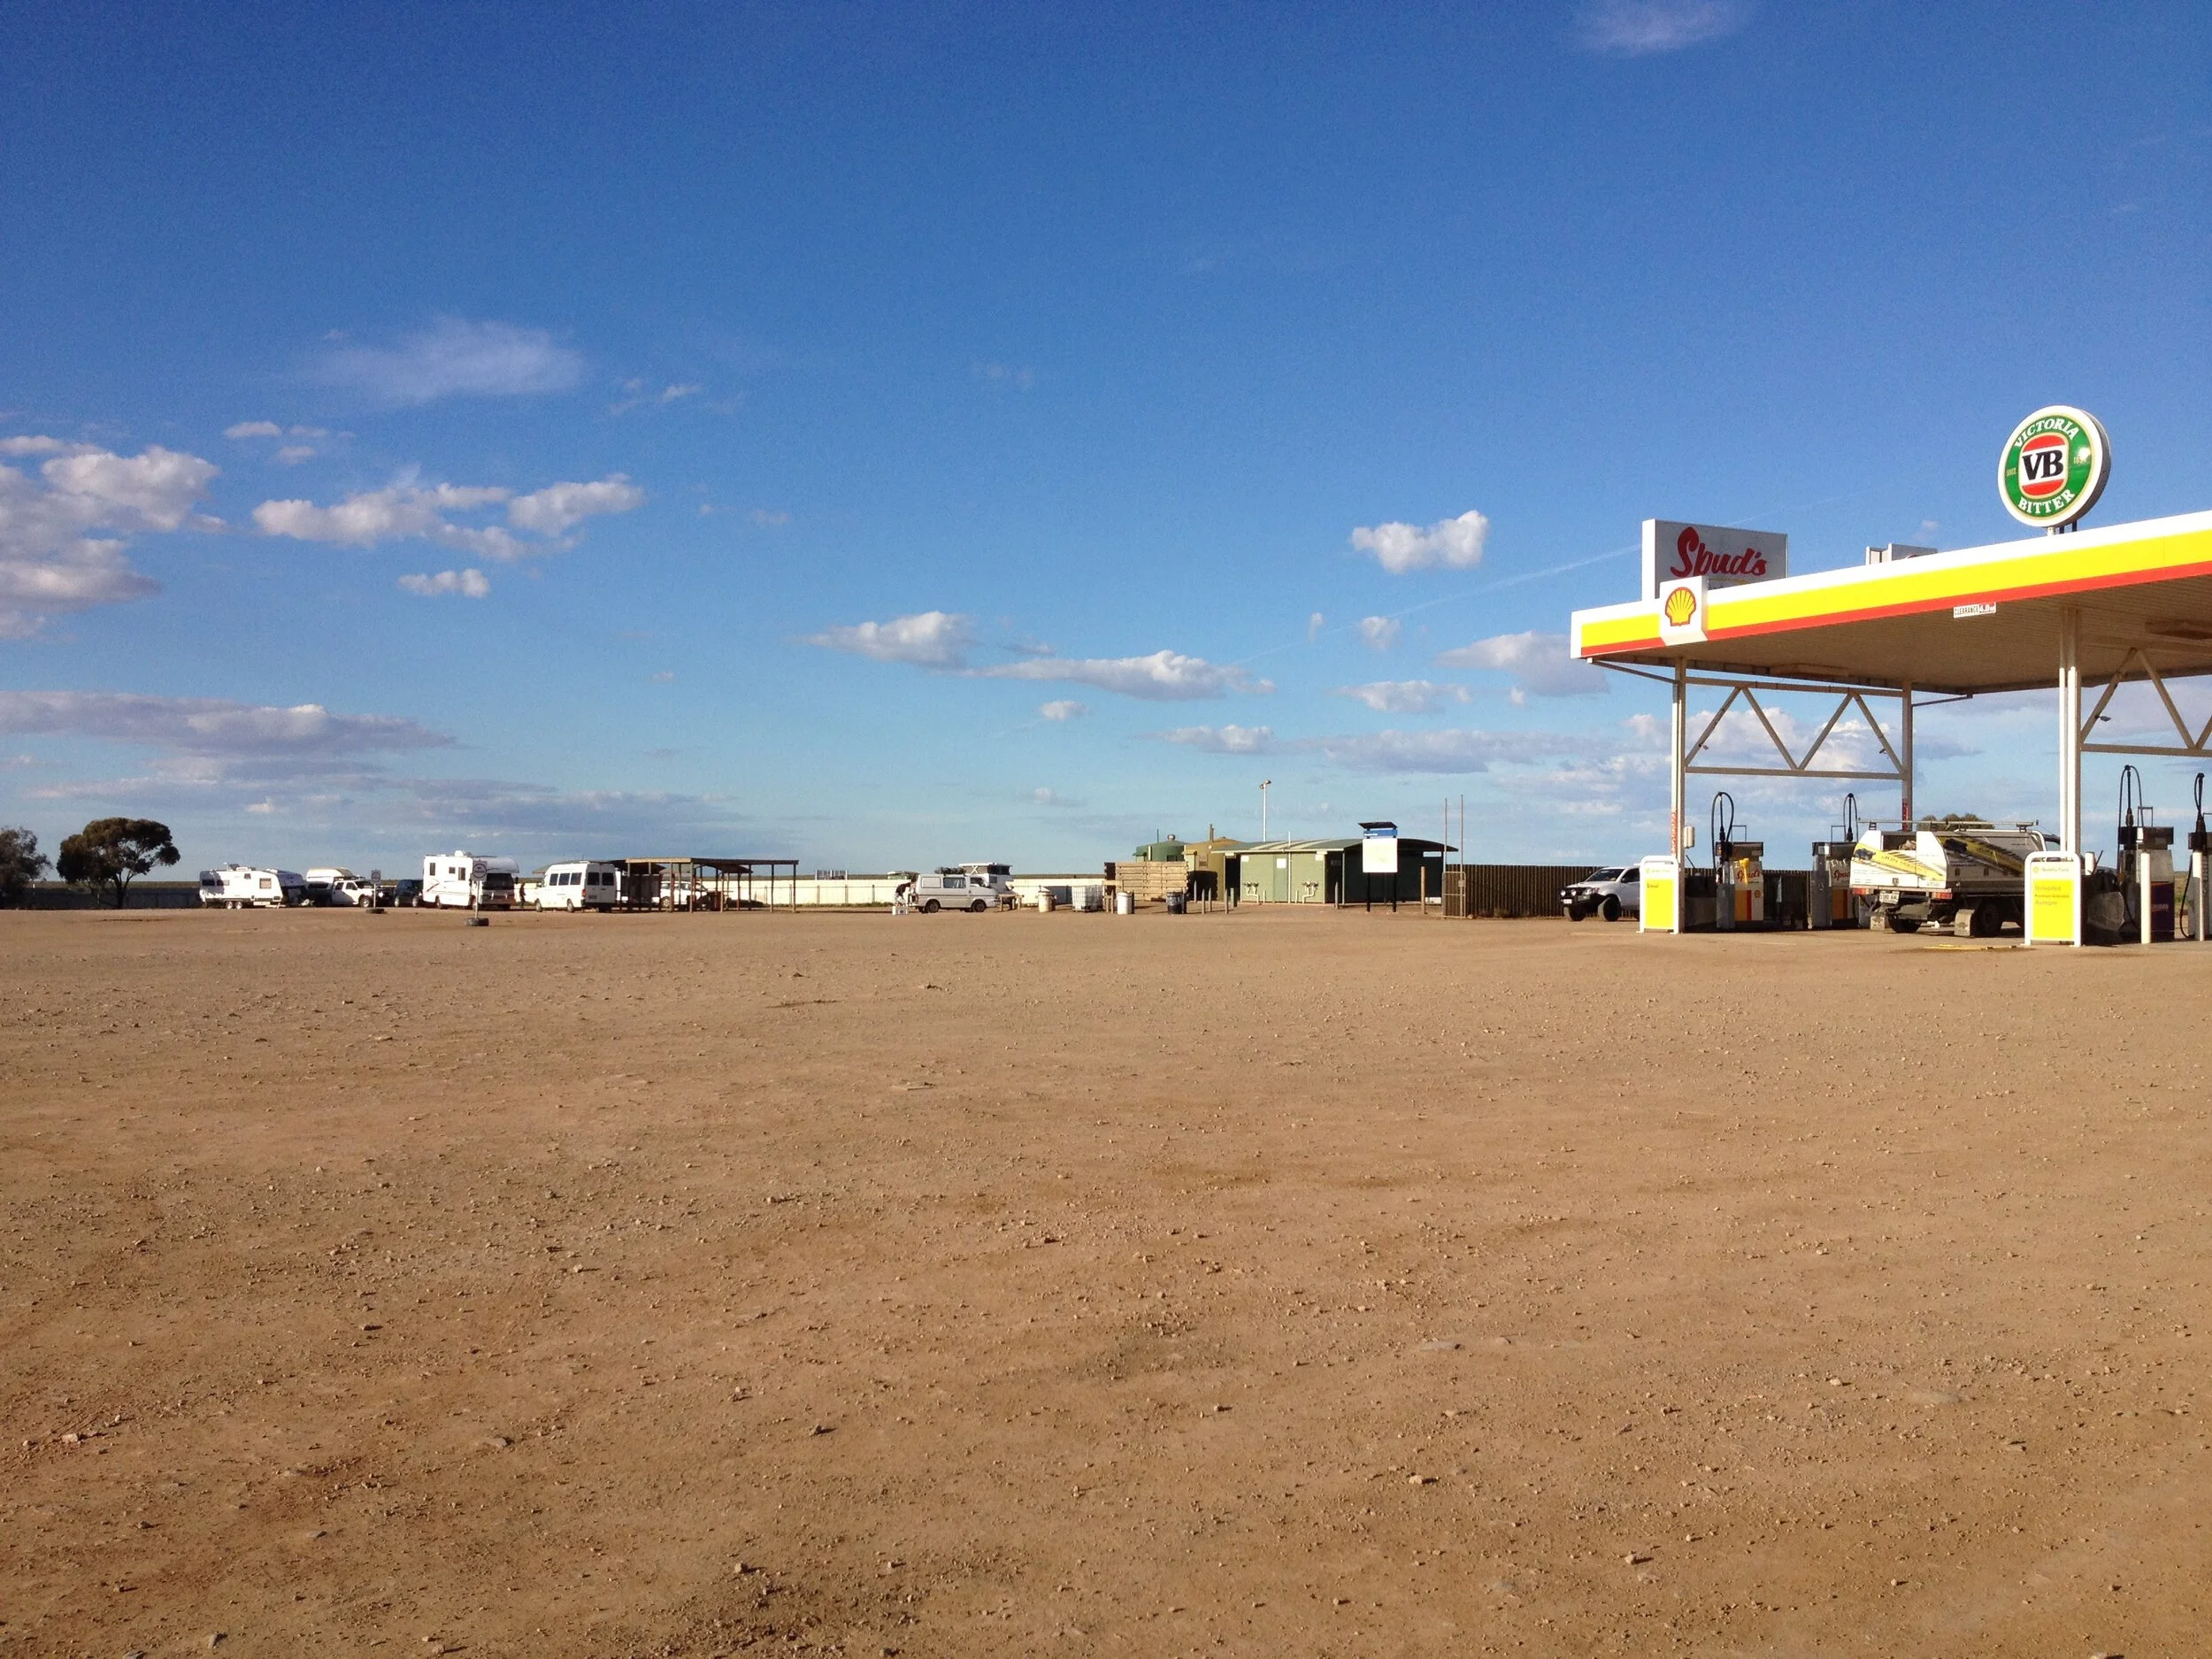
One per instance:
[(2055, 466)]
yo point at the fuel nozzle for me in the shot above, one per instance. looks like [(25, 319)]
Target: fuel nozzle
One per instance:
[(2199, 840), (2130, 798)]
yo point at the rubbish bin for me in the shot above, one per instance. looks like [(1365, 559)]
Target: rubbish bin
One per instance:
[(1125, 904), (1177, 903)]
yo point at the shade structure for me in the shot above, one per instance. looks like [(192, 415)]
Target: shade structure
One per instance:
[(2129, 602), (2142, 594)]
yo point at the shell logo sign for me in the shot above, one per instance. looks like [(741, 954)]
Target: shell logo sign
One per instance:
[(1682, 612), (2053, 466)]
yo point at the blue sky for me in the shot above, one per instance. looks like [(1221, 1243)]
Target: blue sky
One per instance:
[(890, 435)]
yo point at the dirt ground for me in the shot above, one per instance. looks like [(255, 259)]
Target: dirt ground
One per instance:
[(1285, 1282)]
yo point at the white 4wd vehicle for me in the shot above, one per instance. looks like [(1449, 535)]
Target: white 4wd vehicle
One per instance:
[(977, 888)]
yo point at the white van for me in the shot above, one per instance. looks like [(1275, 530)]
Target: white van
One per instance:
[(584, 883), (462, 881), (247, 887), (978, 887)]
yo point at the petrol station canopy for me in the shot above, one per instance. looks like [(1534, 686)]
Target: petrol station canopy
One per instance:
[(1979, 620)]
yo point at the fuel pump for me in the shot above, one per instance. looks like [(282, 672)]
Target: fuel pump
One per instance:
[(2199, 868), (1828, 886), (2149, 869), (2135, 904), (1740, 882)]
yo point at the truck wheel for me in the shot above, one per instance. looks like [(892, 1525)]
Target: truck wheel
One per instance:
[(1575, 912), (930, 907), (1902, 924), (976, 908), (1612, 909)]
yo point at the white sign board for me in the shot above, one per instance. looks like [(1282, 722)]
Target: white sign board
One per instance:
[(1378, 852), (1723, 557)]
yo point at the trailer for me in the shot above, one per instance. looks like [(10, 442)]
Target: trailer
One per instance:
[(249, 886), (1961, 874)]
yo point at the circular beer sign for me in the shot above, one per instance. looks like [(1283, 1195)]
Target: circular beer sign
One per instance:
[(2055, 466)]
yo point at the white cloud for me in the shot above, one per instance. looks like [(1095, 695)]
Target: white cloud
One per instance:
[(254, 429), (1314, 624), (1062, 709), (769, 518), (1404, 696), (1161, 677), (640, 393), (1380, 634), (404, 511), (208, 726), (928, 639), (454, 357), (1049, 797), (1542, 663), (1020, 378), (52, 560), (293, 454), (1447, 751), (1222, 740), (1455, 543), (1639, 29), (470, 584), (551, 510)]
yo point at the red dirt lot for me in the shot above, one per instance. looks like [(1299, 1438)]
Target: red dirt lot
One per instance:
[(1280, 1282)]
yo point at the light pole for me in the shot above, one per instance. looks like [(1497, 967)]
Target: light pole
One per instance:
[(1264, 784)]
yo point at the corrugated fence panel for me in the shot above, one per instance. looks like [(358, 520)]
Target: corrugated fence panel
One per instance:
[(1507, 889)]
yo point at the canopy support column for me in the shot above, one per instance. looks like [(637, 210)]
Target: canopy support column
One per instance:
[(1904, 757), (2070, 729), (1677, 781)]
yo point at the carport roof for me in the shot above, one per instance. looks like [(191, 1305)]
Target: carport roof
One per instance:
[(2143, 592)]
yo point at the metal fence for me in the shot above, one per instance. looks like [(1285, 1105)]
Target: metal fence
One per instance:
[(1508, 890)]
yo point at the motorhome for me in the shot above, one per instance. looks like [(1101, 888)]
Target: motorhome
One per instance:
[(463, 882), (247, 887), (586, 884)]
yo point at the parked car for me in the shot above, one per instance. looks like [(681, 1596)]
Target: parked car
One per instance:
[(1611, 893)]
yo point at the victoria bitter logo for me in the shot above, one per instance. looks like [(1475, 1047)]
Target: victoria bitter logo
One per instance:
[(2053, 466)]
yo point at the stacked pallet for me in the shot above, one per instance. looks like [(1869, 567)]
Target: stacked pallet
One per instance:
[(1145, 881)]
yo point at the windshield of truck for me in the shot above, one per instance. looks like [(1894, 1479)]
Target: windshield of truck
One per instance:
[(498, 882)]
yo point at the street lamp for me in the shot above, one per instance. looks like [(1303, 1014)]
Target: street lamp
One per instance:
[(1264, 784)]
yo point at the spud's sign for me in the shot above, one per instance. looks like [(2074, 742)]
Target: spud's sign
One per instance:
[(1675, 552)]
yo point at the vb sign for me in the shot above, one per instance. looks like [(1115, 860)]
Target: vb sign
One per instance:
[(1722, 558), (2053, 466)]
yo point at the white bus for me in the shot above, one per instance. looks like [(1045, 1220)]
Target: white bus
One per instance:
[(246, 886), (583, 884), (462, 881)]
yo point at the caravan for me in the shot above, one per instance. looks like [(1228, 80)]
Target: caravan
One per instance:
[(246, 886), (584, 883), (462, 881)]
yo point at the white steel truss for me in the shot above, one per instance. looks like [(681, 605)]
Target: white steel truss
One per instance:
[(2193, 746), (1847, 697)]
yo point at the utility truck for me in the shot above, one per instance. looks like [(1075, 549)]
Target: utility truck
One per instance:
[(335, 884), (248, 886), (463, 881), (1965, 874)]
